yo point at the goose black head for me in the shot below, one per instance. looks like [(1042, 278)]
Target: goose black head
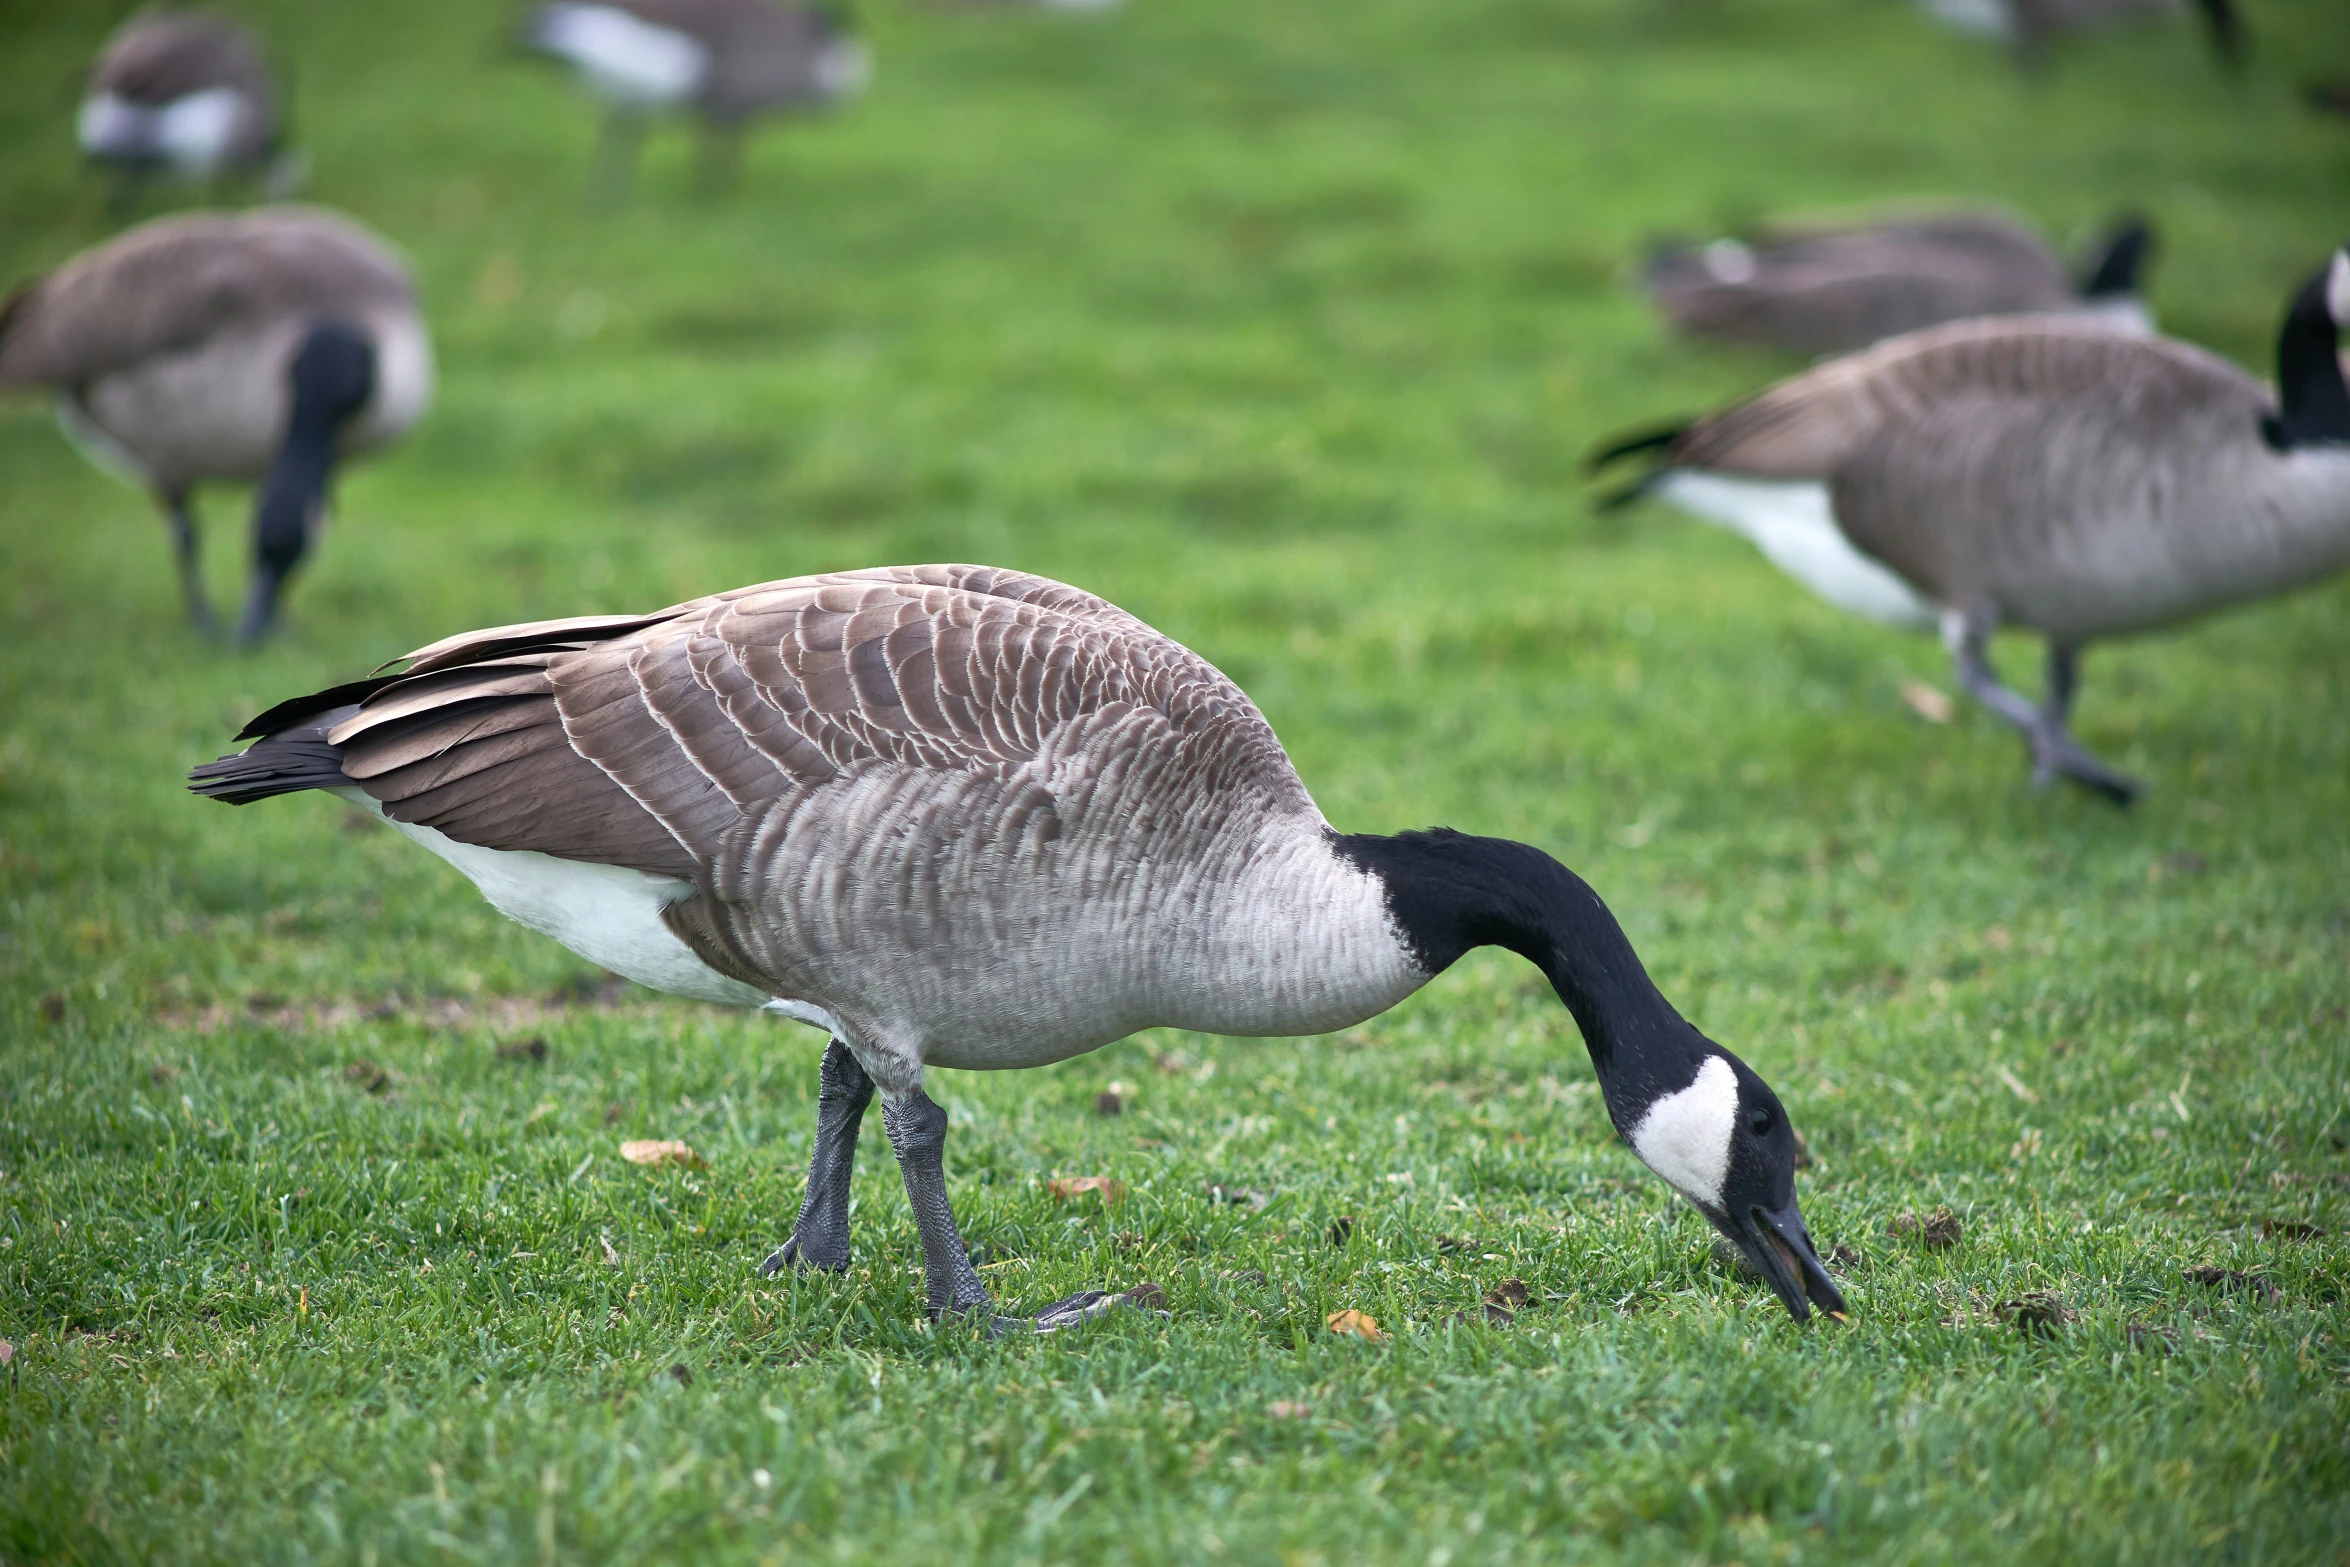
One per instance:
[(2314, 400), (1724, 1143)]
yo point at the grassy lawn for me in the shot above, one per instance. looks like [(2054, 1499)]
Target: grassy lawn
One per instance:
[(1281, 324)]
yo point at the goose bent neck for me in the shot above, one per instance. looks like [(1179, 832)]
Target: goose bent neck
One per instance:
[(1448, 892)]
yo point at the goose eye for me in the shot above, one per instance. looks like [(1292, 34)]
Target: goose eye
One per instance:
[(1758, 1120)]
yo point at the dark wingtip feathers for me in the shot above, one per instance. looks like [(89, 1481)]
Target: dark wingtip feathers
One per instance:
[(288, 713), (2120, 265), (284, 761)]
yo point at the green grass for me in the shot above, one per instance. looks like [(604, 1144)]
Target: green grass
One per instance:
[(1281, 324)]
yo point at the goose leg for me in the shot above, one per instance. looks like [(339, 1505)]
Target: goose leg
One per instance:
[(918, 1132), (1967, 633), (820, 1239), (2054, 750), (618, 146), (721, 163), (181, 518)]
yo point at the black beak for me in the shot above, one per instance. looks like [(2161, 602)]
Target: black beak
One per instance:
[(1778, 1246)]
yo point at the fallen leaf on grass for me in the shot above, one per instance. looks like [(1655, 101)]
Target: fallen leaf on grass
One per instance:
[(1929, 704), (659, 1151), (1356, 1324), (367, 1075), (1068, 1188), (1802, 1150), (611, 1257), (1284, 1409), (7, 1352), (2015, 1085)]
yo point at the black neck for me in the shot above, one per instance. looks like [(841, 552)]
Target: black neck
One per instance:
[(2316, 403), (2122, 260), (1449, 892)]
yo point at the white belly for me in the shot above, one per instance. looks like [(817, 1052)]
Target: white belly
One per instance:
[(608, 915), (623, 58), (1792, 524)]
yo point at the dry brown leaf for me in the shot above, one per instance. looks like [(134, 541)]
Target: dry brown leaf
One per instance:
[(2015, 1084), (1067, 1188), (1929, 704), (659, 1151), (1359, 1324), (1284, 1409)]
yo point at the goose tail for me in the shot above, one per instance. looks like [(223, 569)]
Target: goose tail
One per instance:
[(1633, 444), (290, 752)]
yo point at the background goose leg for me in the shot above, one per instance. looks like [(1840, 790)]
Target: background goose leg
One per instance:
[(820, 1239), (918, 1131), (181, 518), (1967, 634)]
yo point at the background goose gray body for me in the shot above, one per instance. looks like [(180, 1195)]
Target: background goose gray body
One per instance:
[(168, 347), (982, 819), (187, 91), (2076, 481), (1824, 290), (727, 59)]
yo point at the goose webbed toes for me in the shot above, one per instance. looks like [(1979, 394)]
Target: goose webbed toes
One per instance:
[(804, 1256), (1068, 1312), (2056, 754)]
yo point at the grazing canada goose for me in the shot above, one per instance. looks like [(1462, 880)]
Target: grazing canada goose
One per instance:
[(1832, 290), (259, 346), (727, 60), (963, 817), (184, 92), (2031, 471), (2029, 26)]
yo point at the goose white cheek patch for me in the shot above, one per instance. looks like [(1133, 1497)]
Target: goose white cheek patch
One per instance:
[(2338, 288), (1685, 1137)]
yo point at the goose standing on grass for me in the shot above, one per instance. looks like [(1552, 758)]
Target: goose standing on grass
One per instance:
[(2029, 26), (2031, 471), (183, 92), (1832, 290), (727, 60), (963, 817), (263, 346)]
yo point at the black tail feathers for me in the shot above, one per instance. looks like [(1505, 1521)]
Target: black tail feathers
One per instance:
[(1631, 445), (284, 762)]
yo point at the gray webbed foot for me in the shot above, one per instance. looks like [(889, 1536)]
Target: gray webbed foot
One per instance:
[(2056, 754), (1069, 1312)]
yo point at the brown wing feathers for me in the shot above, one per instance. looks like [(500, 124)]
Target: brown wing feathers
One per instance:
[(650, 741)]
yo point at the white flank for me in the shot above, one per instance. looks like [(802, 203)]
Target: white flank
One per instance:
[(1685, 1137), (2338, 288), (844, 69), (624, 59), (810, 1013), (1994, 18), (2123, 313), (1791, 523), (609, 915), (1727, 261), (192, 133)]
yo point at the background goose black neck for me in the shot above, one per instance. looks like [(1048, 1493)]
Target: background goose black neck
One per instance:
[(1449, 891), (2309, 371)]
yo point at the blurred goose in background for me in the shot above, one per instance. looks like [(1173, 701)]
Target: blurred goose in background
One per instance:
[(726, 60), (963, 817), (2032, 471), (2028, 26), (187, 93), (1828, 290), (262, 346)]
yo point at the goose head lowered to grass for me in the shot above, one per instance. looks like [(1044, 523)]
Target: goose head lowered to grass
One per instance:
[(963, 817)]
